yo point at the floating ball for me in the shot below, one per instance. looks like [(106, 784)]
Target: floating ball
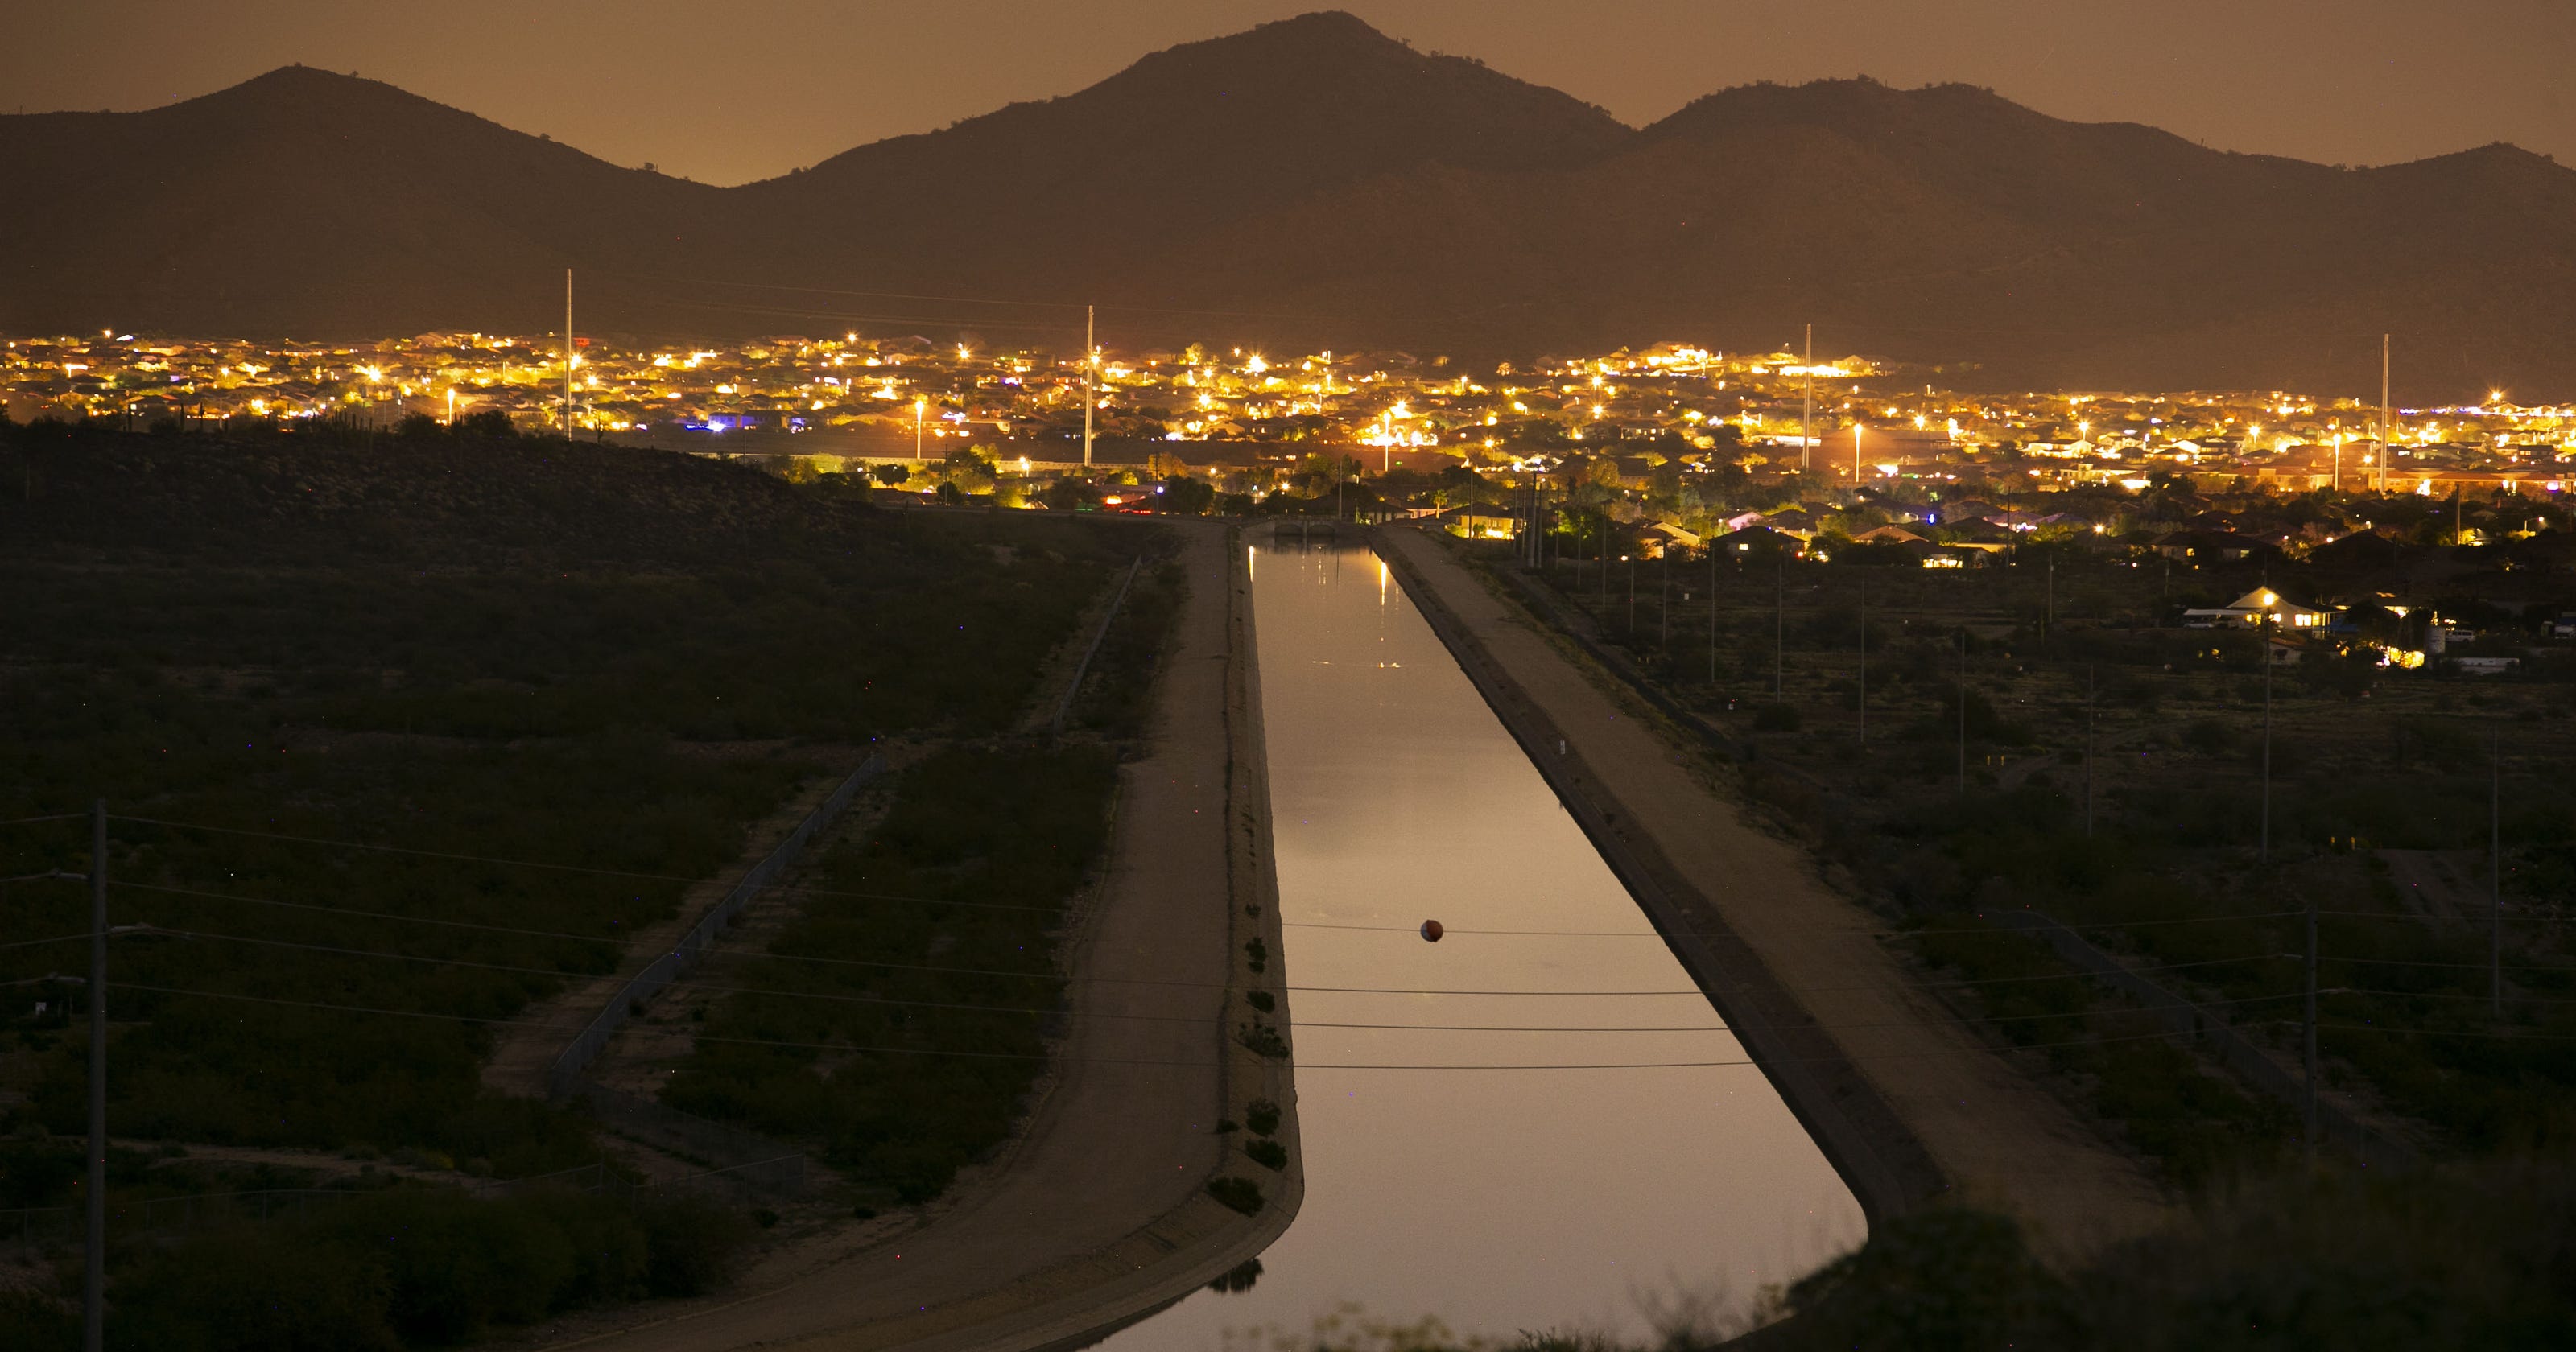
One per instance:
[(1431, 931)]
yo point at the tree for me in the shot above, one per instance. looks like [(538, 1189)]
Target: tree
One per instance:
[(1182, 495), (490, 425), (891, 475)]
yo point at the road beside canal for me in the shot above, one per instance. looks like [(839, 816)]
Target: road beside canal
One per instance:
[(1908, 1102)]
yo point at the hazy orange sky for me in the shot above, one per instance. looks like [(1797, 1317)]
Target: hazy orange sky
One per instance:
[(750, 88)]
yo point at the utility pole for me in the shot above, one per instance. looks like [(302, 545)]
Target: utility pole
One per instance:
[(1855, 460), (2048, 608), (1090, 366), (2495, 870), (1779, 630), (1807, 411), (1963, 713), (94, 1261), (1631, 561), (2308, 1043), (1712, 617), (2265, 845), (567, 408), (1664, 639), (2088, 751), (1864, 665), (920, 404), (2383, 414)]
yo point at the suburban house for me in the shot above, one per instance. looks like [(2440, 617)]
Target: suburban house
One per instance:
[(2253, 607)]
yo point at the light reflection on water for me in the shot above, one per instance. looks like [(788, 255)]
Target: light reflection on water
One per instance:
[(1497, 1200)]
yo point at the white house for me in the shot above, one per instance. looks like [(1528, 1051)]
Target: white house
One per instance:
[(2253, 606)]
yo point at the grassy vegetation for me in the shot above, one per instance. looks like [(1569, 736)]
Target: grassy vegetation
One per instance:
[(907, 1070), (2461, 1257), (509, 649), (399, 1267), (2369, 766)]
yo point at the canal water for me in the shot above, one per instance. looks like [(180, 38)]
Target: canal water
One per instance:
[(1527, 1196)]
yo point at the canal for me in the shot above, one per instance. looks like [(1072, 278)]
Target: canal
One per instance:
[(1557, 1186)]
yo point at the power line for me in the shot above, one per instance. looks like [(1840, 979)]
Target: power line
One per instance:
[(371, 915), (1038, 1056), (1408, 929), (836, 997), (572, 868), (55, 817), (789, 957)]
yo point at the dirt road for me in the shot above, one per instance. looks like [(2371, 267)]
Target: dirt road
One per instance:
[(1802, 958), (1099, 1212)]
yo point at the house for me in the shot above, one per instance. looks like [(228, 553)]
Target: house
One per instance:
[(2253, 607), (1755, 542), (1795, 521), (1663, 535), (1892, 535), (2209, 546)]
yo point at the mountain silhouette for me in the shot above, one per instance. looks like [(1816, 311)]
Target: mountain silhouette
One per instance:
[(1313, 182)]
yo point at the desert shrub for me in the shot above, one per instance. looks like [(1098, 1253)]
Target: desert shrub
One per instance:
[(1242, 1194)]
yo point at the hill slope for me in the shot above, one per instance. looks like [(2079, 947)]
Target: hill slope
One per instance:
[(1316, 168)]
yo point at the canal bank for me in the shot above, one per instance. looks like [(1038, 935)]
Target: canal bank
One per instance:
[(1534, 1123), (1908, 1103), (1099, 1212)]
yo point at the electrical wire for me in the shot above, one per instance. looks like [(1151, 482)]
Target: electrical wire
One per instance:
[(925, 1051), (829, 996), (572, 868), (54, 817), (788, 957)]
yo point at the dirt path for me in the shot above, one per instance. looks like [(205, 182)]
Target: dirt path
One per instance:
[(1810, 961), (1099, 1212), (526, 1049)]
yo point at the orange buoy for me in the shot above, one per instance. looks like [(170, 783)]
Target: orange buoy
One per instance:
[(1431, 931)]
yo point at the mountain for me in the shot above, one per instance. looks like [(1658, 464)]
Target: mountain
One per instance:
[(304, 202), (1315, 183)]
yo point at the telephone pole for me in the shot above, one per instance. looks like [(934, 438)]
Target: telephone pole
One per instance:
[(1712, 616), (94, 1261), (2383, 414), (2495, 870), (2265, 845), (1863, 738), (2088, 751), (1807, 412), (567, 408), (1963, 713), (1090, 369), (2308, 1043)]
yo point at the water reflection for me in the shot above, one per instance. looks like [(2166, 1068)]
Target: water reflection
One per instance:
[(1495, 1199)]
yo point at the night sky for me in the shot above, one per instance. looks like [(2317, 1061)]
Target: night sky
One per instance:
[(742, 90)]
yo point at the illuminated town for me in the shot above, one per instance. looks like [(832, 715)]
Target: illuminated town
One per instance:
[(1671, 434)]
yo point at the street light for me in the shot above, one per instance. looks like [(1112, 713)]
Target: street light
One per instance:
[(919, 404)]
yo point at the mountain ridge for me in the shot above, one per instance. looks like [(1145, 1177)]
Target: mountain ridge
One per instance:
[(1315, 167)]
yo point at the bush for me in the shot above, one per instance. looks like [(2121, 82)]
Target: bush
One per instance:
[(692, 1245), (1263, 1116), (1776, 718), (1242, 1194), (1267, 1153)]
